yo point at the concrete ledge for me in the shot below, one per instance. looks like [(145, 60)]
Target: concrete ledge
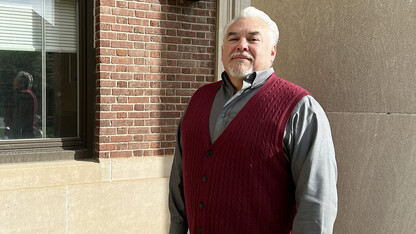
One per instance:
[(63, 173)]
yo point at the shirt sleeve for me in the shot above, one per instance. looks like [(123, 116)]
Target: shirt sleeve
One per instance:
[(309, 147), (178, 224)]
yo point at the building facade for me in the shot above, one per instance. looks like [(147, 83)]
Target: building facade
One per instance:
[(111, 78), (108, 106)]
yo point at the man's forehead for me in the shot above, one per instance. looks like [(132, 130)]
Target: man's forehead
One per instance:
[(251, 25), (253, 33)]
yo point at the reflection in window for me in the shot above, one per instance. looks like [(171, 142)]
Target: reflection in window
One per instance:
[(39, 38)]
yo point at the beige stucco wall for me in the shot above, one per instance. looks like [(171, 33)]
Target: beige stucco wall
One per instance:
[(357, 58), (127, 195)]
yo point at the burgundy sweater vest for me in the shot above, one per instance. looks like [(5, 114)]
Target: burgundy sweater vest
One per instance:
[(242, 182)]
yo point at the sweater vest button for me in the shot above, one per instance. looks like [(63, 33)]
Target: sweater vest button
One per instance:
[(201, 205), (209, 153), (200, 229), (204, 179)]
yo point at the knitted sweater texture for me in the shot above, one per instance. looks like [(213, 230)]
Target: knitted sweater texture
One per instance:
[(242, 182)]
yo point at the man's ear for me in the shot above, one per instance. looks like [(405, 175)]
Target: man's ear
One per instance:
[(273, 53)]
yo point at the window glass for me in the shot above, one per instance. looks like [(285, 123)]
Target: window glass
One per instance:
[(39, 85)]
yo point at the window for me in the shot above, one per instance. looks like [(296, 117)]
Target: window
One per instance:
[(43, 85)]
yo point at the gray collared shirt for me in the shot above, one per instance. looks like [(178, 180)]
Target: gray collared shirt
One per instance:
[(307, 145)]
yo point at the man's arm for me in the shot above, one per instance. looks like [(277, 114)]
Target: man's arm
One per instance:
[(309, 147), (178, 224)]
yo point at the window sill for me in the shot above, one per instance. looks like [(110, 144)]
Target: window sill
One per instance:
[(23, 156)]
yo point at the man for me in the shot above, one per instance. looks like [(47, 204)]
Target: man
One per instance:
[(254, 152), (21, 110)]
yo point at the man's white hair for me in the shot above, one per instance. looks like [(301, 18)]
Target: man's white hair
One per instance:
[(256, 13)]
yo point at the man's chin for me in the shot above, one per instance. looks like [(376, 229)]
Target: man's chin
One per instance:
[(240, 74)]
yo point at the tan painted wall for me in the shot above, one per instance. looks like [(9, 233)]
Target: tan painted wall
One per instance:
[(357, 58), (126, 195)]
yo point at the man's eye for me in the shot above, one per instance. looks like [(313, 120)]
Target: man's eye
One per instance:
[(254, 39), (232, 39)]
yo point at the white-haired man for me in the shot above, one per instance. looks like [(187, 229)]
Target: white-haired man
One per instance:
[(255, 152)]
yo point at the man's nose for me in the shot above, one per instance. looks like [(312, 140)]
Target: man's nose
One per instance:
[(242, 45)]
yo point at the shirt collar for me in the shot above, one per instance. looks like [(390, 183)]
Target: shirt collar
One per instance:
[(251, 81)]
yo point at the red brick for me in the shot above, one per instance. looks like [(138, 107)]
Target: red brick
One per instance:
[(103, 59), (151, 57), (106, 147), (140, 6), (186, 63), (139, 115), (121, 99), (155, 130), (138, 145), (138, 53), (126, 138), (121, 60), (103, 10), (121, 154), (106, 115), (140, 14), (121, 68), (172, 9), (155, 7), (104, 139), (121, 4), (175, 40), (164, 114), (139, 37), (138, 100), (154, 137), (170, 24), (136, 21), (121, 107), (139, 84), (121, 115), (153, 152), (138, 153), (121, 146), (186, 18), (156, 15), (122, 20), (122, 44), (122, 28), (106, 3), (107, 35), (138, 130), (138, 68), (103, 43), (121, 122), (123, 12), (106, 131), (122, 75), (155, 46)]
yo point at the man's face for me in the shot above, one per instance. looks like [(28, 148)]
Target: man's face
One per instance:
[(247, 48)]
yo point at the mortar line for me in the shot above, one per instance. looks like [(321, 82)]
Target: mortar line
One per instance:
[(67, 209), (111, 170)]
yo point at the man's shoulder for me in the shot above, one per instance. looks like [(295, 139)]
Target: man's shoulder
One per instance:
[(281, 83), (210, 87)]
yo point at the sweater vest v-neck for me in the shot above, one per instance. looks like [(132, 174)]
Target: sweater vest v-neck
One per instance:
[(242, 182)]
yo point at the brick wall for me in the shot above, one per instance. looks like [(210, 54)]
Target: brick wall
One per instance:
[(151, 56)]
